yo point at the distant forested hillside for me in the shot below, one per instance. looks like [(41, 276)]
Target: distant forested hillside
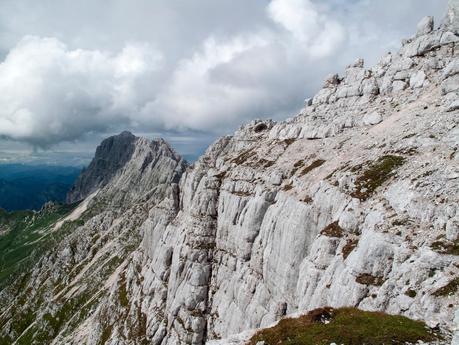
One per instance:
[(30, 186)]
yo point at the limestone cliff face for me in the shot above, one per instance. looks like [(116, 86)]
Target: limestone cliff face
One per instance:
[(111, 155), (452, 18), (353, 202)]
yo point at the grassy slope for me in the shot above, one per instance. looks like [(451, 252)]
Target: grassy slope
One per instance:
[(348, 326), (22, 233)]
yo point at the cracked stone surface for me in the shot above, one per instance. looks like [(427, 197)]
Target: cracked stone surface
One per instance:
[(352, 202)]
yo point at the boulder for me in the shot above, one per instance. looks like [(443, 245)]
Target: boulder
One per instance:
[(451, 21), (372, 118), (417, 80), (453, 106), (456, 329), (399, 85), (332, 80), (451, 69), (425, 26), (450, 85)]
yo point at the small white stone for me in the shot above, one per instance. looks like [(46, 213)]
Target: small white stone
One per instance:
[(399, 85), (372, 119), (453, 106)]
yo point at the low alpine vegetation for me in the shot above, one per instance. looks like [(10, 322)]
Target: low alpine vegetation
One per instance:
[(345, 326), (375, 175)]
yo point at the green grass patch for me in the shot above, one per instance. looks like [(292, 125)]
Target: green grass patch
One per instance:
[(348, 326), (24, 233), (375, 175)]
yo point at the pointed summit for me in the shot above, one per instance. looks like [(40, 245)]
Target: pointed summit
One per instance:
[(126, 134), (111, 155), (129, 164)]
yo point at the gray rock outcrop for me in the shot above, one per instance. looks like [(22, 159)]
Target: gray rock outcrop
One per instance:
[(452, 18)]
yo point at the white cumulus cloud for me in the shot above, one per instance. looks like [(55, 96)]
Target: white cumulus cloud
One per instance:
[(317, 31), (49, 93)]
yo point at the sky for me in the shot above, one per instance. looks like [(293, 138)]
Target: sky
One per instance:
[(74, 72)]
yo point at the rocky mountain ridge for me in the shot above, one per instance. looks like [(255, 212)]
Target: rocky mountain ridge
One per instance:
[(353, 202)]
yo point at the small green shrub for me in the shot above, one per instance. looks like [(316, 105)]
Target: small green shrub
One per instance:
[(122, 292), (288, 142), (105, 336), (307, 199), (265, 163)]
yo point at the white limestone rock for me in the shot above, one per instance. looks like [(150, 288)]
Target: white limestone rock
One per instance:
[(417, 80), (451, 70), (399, 86), (453, 106), (372, 118), (450, 85), (456, 329), (451, 21), (425, 26)]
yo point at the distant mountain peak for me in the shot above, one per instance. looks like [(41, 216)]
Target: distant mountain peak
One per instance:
[(125, 134), (111, 157)]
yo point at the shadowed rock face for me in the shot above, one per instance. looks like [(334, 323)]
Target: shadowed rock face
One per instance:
[(111, 155)]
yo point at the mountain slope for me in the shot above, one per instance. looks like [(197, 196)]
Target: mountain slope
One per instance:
[(353, 202), (89, 245)]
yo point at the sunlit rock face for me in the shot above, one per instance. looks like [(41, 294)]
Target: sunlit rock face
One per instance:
[(452, 18), (352, 202)]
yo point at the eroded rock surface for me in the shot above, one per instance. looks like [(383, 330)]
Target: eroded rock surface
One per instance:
[(353, 202)]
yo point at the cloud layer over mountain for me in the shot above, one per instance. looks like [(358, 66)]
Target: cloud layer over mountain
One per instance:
[(73, 68)]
